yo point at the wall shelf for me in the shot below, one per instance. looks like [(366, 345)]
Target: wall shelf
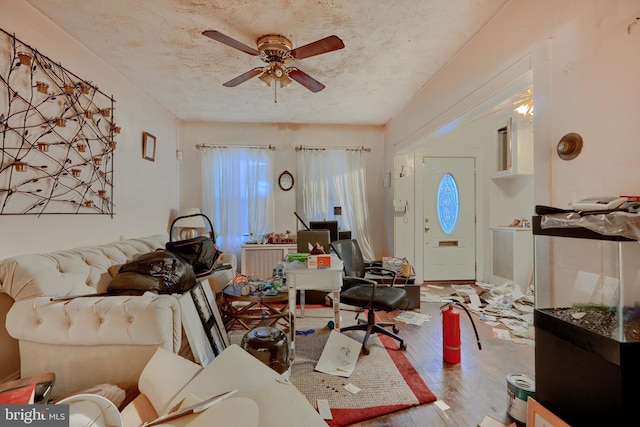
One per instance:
[(514, 152)]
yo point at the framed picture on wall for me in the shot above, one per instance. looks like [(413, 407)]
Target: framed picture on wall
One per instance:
[(148, 146)]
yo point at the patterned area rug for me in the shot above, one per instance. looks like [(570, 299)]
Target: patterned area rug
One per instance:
[(387, 380)]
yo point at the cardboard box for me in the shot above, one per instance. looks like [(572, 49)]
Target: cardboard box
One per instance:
[(319, 261)]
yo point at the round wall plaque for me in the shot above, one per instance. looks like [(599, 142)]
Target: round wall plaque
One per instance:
[(569, 146)]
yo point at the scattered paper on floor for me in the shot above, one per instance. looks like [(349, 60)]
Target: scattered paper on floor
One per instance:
[(502, 334), (464, 289), (475, 300), (324, 410), (490, 421), (440, 404), (413, 318), (429, 297), (339, 355), (353, 389), (525, 341)]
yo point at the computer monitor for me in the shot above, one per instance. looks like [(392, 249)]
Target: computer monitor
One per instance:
[(332, 226), (311, 237)]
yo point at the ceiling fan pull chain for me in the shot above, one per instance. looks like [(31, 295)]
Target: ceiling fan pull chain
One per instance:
[(275, 93)]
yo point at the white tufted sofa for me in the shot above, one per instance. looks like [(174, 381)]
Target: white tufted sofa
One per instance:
[(88, 340)]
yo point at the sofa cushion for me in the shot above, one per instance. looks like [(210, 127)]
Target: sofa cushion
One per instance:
[(80, 271)]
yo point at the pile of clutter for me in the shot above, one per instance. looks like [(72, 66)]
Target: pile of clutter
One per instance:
[(273, 238), (505, 304), (495, 304)]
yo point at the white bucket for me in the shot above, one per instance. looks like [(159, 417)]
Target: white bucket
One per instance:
[(519, 388)]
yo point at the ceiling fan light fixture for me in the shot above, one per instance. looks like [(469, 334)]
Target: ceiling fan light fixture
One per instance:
[(265, 78), (525, 109), (285, 81)]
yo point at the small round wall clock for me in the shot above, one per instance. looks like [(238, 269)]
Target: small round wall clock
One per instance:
[(285, 181)]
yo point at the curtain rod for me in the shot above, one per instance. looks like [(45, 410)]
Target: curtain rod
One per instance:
[(366, 149), (205, 146)]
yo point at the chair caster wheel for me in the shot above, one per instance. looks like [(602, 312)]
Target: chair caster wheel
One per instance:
[(395, 329), (365, 351), (403, 347)]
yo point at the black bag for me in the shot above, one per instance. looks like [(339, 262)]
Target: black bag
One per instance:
[(160, 271), (201, 252)]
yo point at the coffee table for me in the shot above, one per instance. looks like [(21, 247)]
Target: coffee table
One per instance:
[(258, 309)]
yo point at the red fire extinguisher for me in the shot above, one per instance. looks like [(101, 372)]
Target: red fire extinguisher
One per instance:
[(451, 335), (451, 342)]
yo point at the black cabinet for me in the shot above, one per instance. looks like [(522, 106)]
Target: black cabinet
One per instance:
[(587, 324)]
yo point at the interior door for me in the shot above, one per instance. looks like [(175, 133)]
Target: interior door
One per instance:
[(449, 231)]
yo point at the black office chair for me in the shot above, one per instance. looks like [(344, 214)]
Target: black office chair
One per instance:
[(368, 294)]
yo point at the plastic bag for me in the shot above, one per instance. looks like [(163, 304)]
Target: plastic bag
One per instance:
[(161, 271)]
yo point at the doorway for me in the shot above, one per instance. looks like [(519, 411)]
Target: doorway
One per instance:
[(449, 228)]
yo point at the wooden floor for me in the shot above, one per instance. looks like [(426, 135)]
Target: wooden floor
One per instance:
[(472, 389)]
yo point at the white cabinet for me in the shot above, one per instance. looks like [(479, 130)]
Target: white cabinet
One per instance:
[(511, 255), (260, 259)]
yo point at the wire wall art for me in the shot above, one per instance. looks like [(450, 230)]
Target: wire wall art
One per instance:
[(56, 137)]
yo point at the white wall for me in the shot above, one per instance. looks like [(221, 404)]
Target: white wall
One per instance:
[(144, 191), (585, 79), (286, 137)]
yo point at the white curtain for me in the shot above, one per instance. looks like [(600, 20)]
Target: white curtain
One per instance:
[(237, 194), (314, 182), (336, 177)]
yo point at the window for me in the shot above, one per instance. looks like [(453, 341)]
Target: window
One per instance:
[(237, 194), (448, 204)]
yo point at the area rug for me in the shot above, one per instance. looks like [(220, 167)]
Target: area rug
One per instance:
[(388, 381)]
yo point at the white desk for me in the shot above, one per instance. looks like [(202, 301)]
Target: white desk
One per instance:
[(322, 279)]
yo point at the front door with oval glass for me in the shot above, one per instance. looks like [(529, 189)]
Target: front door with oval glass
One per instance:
[(449, 233)]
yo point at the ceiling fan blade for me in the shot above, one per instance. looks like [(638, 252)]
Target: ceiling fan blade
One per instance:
[(305, 80), (218, 36), (244, 77), (327, 44)]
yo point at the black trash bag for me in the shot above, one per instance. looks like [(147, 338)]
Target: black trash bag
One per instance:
[(161, 272), (201, 252)]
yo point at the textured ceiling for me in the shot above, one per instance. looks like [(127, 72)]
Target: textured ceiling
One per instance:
[(392, 49)]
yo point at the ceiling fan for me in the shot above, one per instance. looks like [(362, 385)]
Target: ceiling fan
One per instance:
[(275, 50)]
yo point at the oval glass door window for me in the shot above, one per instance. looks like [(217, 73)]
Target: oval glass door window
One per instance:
[(448, 203)]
